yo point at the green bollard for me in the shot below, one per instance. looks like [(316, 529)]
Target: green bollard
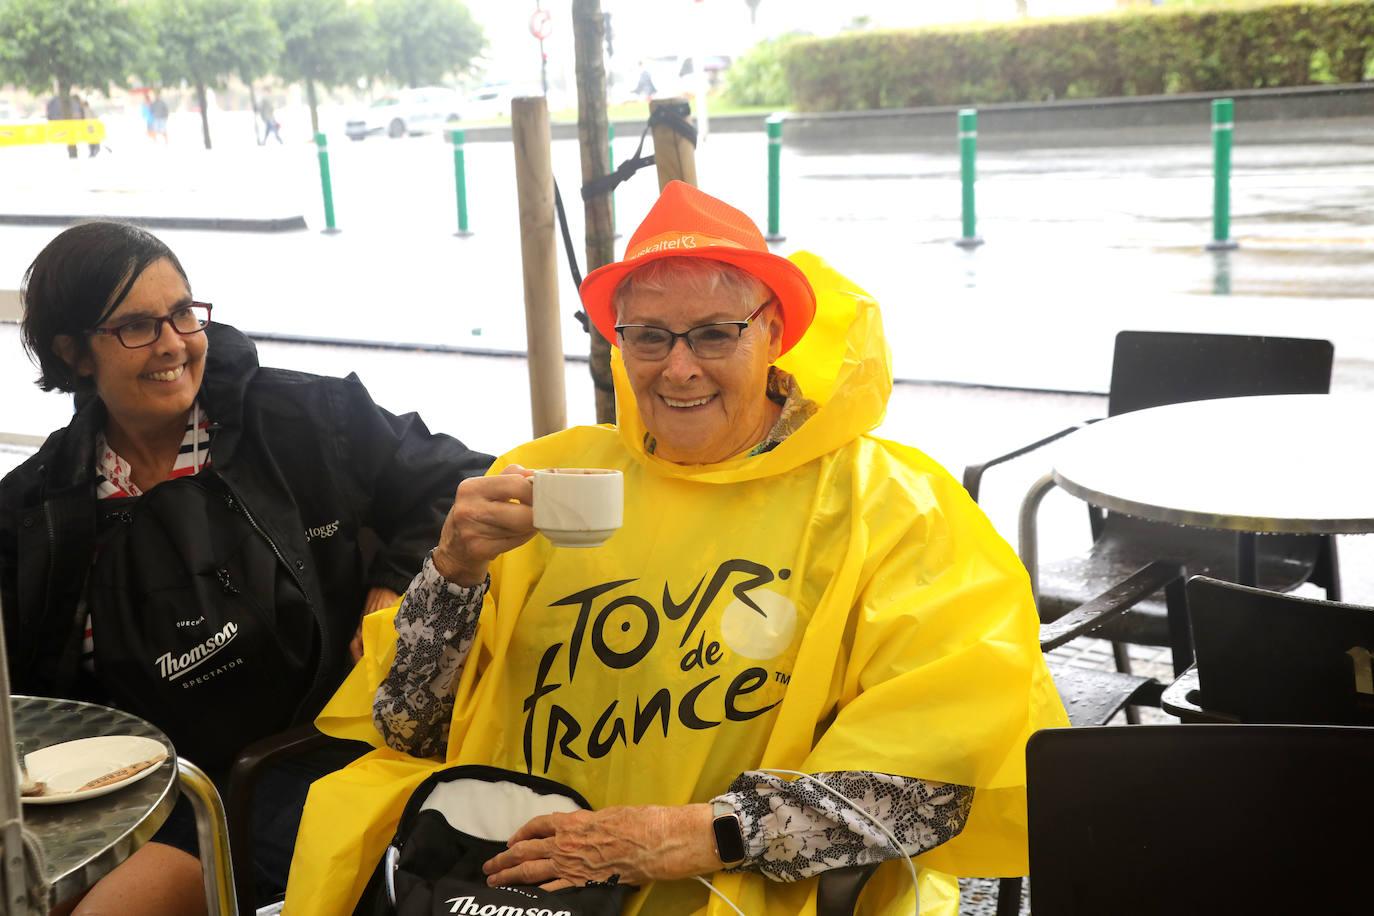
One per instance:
[(456, 137), (325, 186), (1223, 126), (774, 124), (968, 156), (610, 167)]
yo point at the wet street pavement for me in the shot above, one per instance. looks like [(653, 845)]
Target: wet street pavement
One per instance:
[(1086, 235)]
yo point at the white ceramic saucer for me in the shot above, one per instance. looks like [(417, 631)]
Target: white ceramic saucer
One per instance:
[(65, 768)]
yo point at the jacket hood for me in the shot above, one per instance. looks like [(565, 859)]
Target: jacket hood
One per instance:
[(842, 363)]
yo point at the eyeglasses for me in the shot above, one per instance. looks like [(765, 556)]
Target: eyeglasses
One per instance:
[(144, 332), (707, 341)]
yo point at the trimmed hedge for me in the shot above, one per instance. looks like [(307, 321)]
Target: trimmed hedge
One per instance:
[(1134, 53), (759, 77)]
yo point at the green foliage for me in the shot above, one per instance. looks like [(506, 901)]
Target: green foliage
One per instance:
[(86, 43), (203, 42), (1134, 53), (759, 77), (326, 42), (421, 40)]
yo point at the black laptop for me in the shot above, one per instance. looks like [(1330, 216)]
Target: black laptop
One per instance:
[(1267, 657)]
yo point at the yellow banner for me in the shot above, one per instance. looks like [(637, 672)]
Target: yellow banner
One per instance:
[(86, 130)]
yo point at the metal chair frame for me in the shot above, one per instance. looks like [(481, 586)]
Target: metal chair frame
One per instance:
[(1151, 369)]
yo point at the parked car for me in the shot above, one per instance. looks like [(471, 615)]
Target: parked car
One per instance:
[(490, 100), (409, 111)]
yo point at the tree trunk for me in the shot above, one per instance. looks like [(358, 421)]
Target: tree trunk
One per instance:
[(253, 101), (65, 105), (1022, 9), (313, 102), (589, 34), (204, 112)]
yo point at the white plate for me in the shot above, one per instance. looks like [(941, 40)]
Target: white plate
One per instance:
[(68, 766)]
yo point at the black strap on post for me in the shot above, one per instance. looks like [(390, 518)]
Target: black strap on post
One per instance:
[(675, 116), (580, 314)]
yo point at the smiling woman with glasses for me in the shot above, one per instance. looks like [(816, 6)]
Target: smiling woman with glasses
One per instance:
[(197, 497)]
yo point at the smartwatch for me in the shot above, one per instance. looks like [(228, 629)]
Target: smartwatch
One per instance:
[(729, 837)]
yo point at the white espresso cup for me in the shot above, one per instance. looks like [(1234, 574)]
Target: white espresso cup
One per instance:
[(578, 507)]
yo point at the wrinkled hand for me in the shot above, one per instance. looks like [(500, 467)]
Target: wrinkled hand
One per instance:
[(377, 598), (639, 844), (490, 515)]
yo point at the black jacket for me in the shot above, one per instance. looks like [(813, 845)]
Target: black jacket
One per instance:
[(314, 461)]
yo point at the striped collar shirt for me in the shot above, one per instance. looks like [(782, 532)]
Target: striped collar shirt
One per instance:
[(114, 477)]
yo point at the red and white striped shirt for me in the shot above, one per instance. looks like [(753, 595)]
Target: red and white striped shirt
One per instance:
[(114, 477)]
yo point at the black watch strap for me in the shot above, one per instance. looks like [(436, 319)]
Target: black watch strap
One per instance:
[(729, 837)]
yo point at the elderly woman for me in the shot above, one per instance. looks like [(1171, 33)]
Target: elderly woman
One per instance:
[(787, 594), (187, 547)]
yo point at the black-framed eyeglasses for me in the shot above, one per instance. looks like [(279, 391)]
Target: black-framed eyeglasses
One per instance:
[(144, 332), (716, 340)]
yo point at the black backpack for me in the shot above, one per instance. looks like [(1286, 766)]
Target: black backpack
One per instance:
[(199, 625), (457, 819)]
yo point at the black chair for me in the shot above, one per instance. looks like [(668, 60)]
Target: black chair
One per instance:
[(1092, 697), (1149, 369), (251, 763), (1265, 657), (1200, 819)]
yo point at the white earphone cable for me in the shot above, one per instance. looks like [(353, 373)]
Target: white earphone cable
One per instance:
[(906, 857), (712, 888)]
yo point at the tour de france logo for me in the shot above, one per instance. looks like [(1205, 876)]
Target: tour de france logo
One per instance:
[(616, 625)]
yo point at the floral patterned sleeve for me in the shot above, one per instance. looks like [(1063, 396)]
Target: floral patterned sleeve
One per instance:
[(435, 628), (794, 830)]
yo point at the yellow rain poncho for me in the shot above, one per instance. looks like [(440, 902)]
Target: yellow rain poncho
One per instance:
[(837, 603)]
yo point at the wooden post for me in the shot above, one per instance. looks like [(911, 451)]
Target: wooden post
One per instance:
[(539, 259), (674, 154), (589, 38)]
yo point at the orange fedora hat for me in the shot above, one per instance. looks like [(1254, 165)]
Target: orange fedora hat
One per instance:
[(688, 223)]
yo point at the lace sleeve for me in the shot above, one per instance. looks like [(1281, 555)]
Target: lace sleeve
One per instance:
[(795, 829), (435, 628)]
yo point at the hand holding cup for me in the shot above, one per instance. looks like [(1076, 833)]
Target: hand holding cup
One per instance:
[(490, 515)]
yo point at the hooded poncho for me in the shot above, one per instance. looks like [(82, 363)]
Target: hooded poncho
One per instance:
[(836, 603)]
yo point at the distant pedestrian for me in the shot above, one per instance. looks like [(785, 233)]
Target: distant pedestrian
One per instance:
[(62, 108), (645, 87), (160, 114), (270, 125), (146, 109)]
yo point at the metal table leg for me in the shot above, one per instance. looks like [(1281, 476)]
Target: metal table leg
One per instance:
[(1026, 534), (212, 830), (1247, 543)]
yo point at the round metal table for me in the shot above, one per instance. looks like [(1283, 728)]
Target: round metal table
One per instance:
[(83, 841), (1297, 464)]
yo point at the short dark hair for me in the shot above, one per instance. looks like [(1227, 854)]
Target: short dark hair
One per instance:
[(76, 281)]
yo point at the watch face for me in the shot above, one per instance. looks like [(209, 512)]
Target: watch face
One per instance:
[(729, 840)]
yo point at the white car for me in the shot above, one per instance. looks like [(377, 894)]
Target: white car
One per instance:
[(408, 111)]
